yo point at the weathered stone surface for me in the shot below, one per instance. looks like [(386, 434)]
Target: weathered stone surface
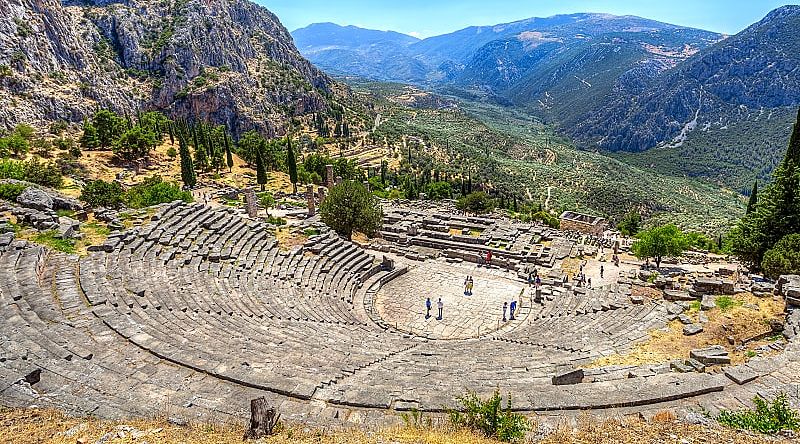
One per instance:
[(677, 295), (707, 303), (713, 355), (35, 198), (692, 329), (740, 374), (568, 377)]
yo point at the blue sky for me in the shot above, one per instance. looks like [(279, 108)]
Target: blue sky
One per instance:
[(425, 18)]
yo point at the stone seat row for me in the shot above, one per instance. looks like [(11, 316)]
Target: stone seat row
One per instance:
[(79, 365)]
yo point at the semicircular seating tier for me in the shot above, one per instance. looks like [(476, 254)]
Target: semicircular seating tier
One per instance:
[(201, 310)]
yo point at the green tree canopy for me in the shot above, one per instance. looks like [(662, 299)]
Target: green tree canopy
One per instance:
[(350, 207), (477, 202), (660, 242), (267, 201), (630, 223), (439, 190), (783, 258), (109, 126), (135, 143), (99, 193)]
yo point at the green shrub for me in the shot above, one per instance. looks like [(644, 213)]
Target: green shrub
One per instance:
[(10, 191), (34, 170), (98, 193), (416, 419), (766, 418), (726, 302), (489, 418), (172, 152), (279, 221), (783, 258), (154, 191), (311, 232), (51, 239), (12, 169)]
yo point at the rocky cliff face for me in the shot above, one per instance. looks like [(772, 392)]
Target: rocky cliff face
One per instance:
[(226, 61)]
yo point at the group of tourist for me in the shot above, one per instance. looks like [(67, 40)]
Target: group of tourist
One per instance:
[(439, 305), (468, 284), (512, 309)]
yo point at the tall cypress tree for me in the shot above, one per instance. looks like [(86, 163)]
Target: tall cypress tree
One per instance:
[(751, 204), (228, 154), (776, 212), (793, 152), (187, 167), (384, 164), (261, 173), (291, 162)]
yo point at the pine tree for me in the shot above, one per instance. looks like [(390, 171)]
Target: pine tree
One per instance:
[(384, 165), (228, 154), (261, 173), (291, 162), (751, 204), (187, 167)]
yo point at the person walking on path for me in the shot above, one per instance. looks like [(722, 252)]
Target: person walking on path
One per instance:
[(538, 282), (469, 286), (428, 308), (505, 307), (440, 305), (512, 308), (601, 272)]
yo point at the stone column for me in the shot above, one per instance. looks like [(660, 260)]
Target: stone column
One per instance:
[(310, 200), (329, 176), (251, 202), (322, 194), (366, 185), (338, 180)]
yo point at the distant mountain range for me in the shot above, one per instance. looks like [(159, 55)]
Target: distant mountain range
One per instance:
[(617, 83)]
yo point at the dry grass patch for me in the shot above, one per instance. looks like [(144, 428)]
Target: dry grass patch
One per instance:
[(29, 426), (289, 237), (739, 321)]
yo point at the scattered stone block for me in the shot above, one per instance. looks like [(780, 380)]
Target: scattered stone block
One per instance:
[(716, 354), (707, 303), (677, 295), (692, 329), (568, 377), (740, 374), (695, 364), (680, 367)]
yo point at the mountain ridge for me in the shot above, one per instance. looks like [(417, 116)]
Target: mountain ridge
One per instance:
[(227, 62)]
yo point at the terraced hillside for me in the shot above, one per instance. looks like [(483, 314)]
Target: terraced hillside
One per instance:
[(521, 156)]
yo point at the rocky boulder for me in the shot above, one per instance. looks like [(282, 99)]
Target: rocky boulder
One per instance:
[(35, 198), (788, 286)]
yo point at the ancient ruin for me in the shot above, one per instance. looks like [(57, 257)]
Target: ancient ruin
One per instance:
[(583, 223), (200, 310)]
